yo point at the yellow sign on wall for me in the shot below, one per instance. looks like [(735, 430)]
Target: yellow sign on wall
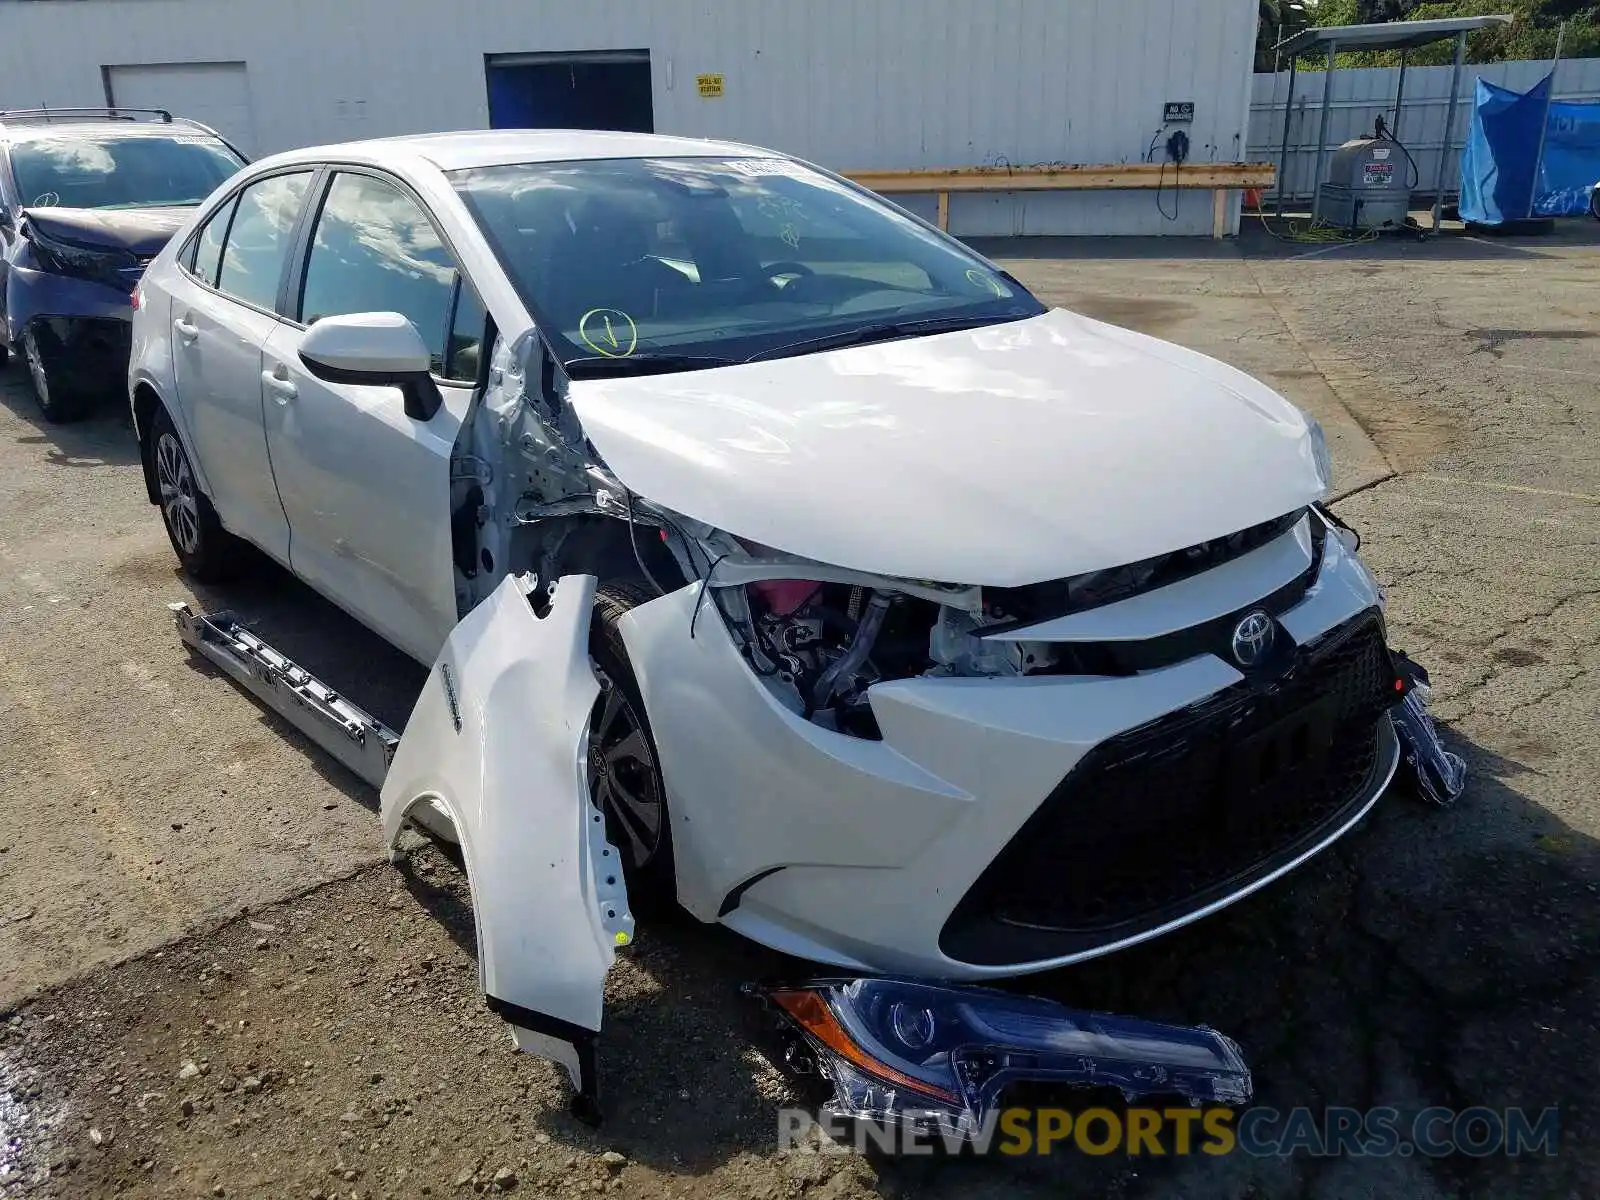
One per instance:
[(710, 86)]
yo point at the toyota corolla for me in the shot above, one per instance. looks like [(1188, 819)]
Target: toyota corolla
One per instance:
[(772, 543)]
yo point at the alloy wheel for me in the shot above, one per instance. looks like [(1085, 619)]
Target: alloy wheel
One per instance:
[(178, 501), (623, 780)]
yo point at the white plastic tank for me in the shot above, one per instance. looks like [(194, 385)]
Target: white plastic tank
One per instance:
[(1367, 186)]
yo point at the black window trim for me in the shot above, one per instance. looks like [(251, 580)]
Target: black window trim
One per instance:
[(292, 292), (191, 248), (187, 255), (450, 313), (8, 183)]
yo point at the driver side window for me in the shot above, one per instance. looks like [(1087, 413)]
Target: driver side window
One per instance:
[(375, 250)]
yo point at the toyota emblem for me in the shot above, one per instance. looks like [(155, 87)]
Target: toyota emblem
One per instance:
[(1252, 638)]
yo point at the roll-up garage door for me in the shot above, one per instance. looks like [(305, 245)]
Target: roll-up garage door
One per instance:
[(214, 93)]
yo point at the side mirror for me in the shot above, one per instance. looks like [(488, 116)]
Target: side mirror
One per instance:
[(376, 349)]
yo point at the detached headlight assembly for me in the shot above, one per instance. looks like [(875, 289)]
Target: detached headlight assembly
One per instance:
[(902, 1051)]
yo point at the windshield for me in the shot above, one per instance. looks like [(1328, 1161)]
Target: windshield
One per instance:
[(120, 172), (674, 263)]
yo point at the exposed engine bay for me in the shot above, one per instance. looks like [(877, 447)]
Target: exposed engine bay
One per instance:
[(820, 646), (529, 495)]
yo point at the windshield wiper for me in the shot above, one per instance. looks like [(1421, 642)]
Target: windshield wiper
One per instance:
[(603, 365), (884, 332)]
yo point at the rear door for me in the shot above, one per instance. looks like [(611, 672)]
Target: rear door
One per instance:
[(365, 487), (223, 302)]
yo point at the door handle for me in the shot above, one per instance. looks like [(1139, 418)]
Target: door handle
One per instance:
[(185, 330), (283, 390)]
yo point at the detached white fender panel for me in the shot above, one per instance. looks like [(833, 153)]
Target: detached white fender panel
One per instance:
[(497, 742)]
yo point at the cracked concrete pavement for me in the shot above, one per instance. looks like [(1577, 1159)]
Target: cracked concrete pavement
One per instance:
[(1431, 957)]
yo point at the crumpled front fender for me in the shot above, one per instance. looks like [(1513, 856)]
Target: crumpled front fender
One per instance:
[(497, 744)]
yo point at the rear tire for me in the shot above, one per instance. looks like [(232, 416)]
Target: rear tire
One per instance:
[(59, 400), (624, 767), (208, 552)]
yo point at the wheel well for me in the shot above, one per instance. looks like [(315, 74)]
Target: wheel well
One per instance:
[(602, 546), (145, 404)]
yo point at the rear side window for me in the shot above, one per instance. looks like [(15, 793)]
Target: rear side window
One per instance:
[(376, 251), (207, 250), (258, 240)]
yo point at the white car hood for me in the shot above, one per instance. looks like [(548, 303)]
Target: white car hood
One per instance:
[(1000, 456)]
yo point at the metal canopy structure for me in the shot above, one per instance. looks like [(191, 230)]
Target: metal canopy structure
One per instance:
[(1393, 35)]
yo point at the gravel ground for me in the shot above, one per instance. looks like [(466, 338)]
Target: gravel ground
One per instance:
[(338, 1043)]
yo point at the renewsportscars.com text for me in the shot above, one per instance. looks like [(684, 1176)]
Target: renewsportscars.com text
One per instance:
[(1261, 1132)]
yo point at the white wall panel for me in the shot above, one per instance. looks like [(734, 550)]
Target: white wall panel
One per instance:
[(850, 83), (215, 94)]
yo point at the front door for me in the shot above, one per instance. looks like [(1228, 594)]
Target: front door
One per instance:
[(365, 487)]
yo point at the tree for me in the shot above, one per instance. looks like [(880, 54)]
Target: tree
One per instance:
[(1532, 33), (1276, 20)]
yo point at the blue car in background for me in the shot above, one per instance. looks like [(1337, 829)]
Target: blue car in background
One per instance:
[(87, 198)]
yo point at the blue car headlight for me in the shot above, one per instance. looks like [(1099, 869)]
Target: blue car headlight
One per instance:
[(901, 1050), (110, 265)]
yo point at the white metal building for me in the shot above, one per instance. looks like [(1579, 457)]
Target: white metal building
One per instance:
[(852, 84)]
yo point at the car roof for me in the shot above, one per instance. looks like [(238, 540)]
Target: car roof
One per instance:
[(34, 129), (501, 147)]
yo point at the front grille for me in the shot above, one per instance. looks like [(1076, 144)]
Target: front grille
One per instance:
[(1166, 818)]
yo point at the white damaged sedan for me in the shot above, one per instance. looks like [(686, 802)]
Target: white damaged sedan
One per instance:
[(771, 542)]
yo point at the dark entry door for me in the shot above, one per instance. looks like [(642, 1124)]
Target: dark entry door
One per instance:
[(596, 89)]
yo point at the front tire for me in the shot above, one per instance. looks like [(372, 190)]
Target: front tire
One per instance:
[(59, 400), (208, 552), (624, 769)]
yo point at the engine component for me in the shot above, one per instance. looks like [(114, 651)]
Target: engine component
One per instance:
[(956, 650), (860, 646), (821, 645)]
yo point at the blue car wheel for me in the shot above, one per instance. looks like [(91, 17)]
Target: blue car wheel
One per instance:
[(58, 400)]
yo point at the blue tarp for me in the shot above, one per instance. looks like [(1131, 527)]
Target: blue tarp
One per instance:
[(1571, 162), (1498, 161)]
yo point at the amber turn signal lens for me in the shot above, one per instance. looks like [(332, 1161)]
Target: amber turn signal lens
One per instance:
[(811, 1012)]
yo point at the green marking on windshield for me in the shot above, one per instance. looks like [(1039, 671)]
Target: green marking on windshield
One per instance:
[(988, 282), (609, 331)]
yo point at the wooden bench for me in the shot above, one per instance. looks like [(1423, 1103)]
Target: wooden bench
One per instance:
[(1221, 179)]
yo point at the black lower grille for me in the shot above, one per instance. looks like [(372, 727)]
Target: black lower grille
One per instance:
[(93, 350), (1166, 818)]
